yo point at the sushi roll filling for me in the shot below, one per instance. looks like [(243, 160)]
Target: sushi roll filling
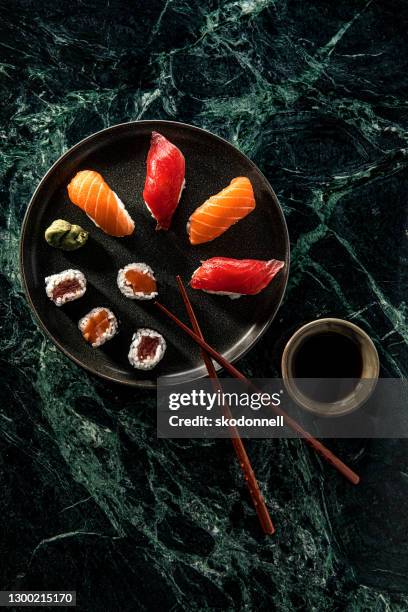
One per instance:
[(140, 281), (137, 282), (98, 326), (66, 287), (147, 347)]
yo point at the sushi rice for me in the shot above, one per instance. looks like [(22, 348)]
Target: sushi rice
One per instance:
[(233, 296), (108, 334), (126, 288), (149, 362), (67, 276)]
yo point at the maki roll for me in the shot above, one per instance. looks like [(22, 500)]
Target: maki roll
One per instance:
[(137, 282), (66, 286), (98, 326), (147, 349)]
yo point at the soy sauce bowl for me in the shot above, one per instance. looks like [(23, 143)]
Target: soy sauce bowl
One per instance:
[(364, 384)]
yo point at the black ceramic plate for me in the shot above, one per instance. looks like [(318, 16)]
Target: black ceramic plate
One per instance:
[(119, 154)]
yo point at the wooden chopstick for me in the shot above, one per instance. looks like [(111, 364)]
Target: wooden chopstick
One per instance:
[(317, 446), (243, 459)]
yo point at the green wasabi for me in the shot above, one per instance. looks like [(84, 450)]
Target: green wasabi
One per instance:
[(66, 236)]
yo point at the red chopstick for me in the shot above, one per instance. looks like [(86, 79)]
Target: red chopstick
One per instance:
[(317, 446), (243, 459)]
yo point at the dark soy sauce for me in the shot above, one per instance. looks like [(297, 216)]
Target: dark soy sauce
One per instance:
[(328, 355)]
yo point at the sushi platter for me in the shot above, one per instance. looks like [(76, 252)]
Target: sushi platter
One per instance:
[(119, 216)]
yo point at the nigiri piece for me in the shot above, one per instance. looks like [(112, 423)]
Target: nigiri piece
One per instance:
[(235, 277), (89, 191), (164, 180), (222, 210)]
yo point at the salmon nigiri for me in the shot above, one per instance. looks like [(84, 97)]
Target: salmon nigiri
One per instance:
[(221, 211), (235, 277), (164, 179), (89, 191)]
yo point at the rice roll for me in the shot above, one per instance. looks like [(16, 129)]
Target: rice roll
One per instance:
[(65, 286), (147, 349), (98, 326), (137, 282)]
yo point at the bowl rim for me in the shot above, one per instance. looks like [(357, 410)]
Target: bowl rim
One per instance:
[(328, 409)]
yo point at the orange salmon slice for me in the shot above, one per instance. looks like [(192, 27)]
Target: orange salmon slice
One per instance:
[(92, 194), (221, 211)]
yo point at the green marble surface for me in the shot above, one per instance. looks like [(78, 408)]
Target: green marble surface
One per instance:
[(316, 94)]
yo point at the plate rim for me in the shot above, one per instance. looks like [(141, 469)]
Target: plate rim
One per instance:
[(137, 383)]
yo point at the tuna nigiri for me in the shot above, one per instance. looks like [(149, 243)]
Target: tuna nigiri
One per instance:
[(221, 211), (164, 180), (235, 277), (89, 191)]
